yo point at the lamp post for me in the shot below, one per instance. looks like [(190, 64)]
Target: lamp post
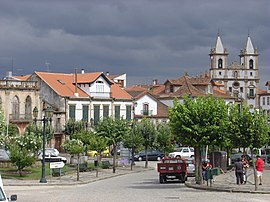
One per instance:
[(47, 117)]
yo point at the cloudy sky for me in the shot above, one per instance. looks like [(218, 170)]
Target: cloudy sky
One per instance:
[(146, 39)]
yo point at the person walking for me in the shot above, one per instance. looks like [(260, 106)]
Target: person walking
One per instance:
[(245, 167), (259, 169), (239, 166)]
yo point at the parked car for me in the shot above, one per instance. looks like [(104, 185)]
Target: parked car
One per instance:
[(4, 155), (153, 155), (237, 156), (93, 153), (52, 155), (190, 167), (3, 196), (183, 152)]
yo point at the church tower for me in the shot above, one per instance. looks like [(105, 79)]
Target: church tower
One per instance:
[(218, 61), (241, 80)]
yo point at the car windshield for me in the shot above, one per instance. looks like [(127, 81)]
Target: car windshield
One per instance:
[(2, 195)]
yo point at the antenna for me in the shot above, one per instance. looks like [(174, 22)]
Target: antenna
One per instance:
[(47, 66)]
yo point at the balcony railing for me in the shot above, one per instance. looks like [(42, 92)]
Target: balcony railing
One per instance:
[(20, 118), (7, 84), (147, 112)]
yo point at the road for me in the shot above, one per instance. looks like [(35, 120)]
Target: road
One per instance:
[(135, 187)]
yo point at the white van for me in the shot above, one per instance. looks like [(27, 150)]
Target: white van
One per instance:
[(3, 196)]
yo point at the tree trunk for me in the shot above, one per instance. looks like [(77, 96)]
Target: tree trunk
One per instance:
[(254, 170), (198, 165), (114, 157), (97, 166), (78, 168), (146, 157)]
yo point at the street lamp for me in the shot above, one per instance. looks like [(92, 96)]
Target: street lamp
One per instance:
[(47, 117)]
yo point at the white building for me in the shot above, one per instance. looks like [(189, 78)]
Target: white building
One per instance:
[(264, 97), (241, 79)]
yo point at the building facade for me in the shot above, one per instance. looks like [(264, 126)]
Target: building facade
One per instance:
[(239, 79)]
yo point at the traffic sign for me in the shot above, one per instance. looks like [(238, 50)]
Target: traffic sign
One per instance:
[(59, 164)]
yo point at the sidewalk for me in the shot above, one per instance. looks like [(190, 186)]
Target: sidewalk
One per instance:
[(227, 182), (71, 179)]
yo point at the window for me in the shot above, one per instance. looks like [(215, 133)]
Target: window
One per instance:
[(250, 73), (263, 101), (220, 63), (96, 114), (117, 112), (251, 64), (28, 108), (15, 107), (267, 100), (85, 112), (72, 109), (219, 73), (235, 74), (105, 111), (99, 86), (145, 109), (171, 89), (251, 92), (128, 112), (241, 89), (230, 89)]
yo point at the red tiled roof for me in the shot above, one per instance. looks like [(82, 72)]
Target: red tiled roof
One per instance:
[(22, 77), (64, 84)]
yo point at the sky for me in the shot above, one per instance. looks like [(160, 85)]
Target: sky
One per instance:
[(146, 39)]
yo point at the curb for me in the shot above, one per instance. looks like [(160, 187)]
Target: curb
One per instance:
[(219, 189), (63, 183)]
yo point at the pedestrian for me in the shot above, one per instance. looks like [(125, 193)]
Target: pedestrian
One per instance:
[(239, 166), (245, 167), (205, 165), (259, 169)]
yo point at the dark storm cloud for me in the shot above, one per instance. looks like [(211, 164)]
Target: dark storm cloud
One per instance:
[(147, 39)]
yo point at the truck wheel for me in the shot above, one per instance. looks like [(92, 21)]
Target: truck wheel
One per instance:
[(191, 156), (161, 179), (178, 156)]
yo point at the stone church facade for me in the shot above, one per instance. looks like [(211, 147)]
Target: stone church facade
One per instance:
[(240, 79)]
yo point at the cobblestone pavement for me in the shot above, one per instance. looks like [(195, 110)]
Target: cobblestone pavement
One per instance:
[(227, 182)]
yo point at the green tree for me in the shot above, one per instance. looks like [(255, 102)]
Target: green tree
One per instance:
[(85, 136), (250, 129), (73, 126), (147, 131), (199, 122), (22, 150), (99, 144), (113, 130), (75, 147), (132, 140), (164, 138)]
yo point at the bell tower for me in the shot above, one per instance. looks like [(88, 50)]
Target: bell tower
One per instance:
[(218, 61)]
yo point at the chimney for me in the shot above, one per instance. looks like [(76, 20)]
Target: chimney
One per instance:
[(82, 71), (9, 74), (76, 83), (155, 82)]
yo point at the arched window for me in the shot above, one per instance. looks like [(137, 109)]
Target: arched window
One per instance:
[(28, 107), (146, 109), (15, 107), (235, 74), (251, 65), (99, 86), (220, 63)]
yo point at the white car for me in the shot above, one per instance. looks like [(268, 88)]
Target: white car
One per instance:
[(51, 155), (3, 196), (183, 152)]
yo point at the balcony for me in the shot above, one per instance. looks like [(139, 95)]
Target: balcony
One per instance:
[(147, 112), (13, 84), (20, 118)]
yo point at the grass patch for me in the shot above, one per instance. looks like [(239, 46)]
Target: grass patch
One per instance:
[(31, 173)]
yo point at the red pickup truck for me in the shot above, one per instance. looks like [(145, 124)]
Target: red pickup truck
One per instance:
[(171, 169)]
